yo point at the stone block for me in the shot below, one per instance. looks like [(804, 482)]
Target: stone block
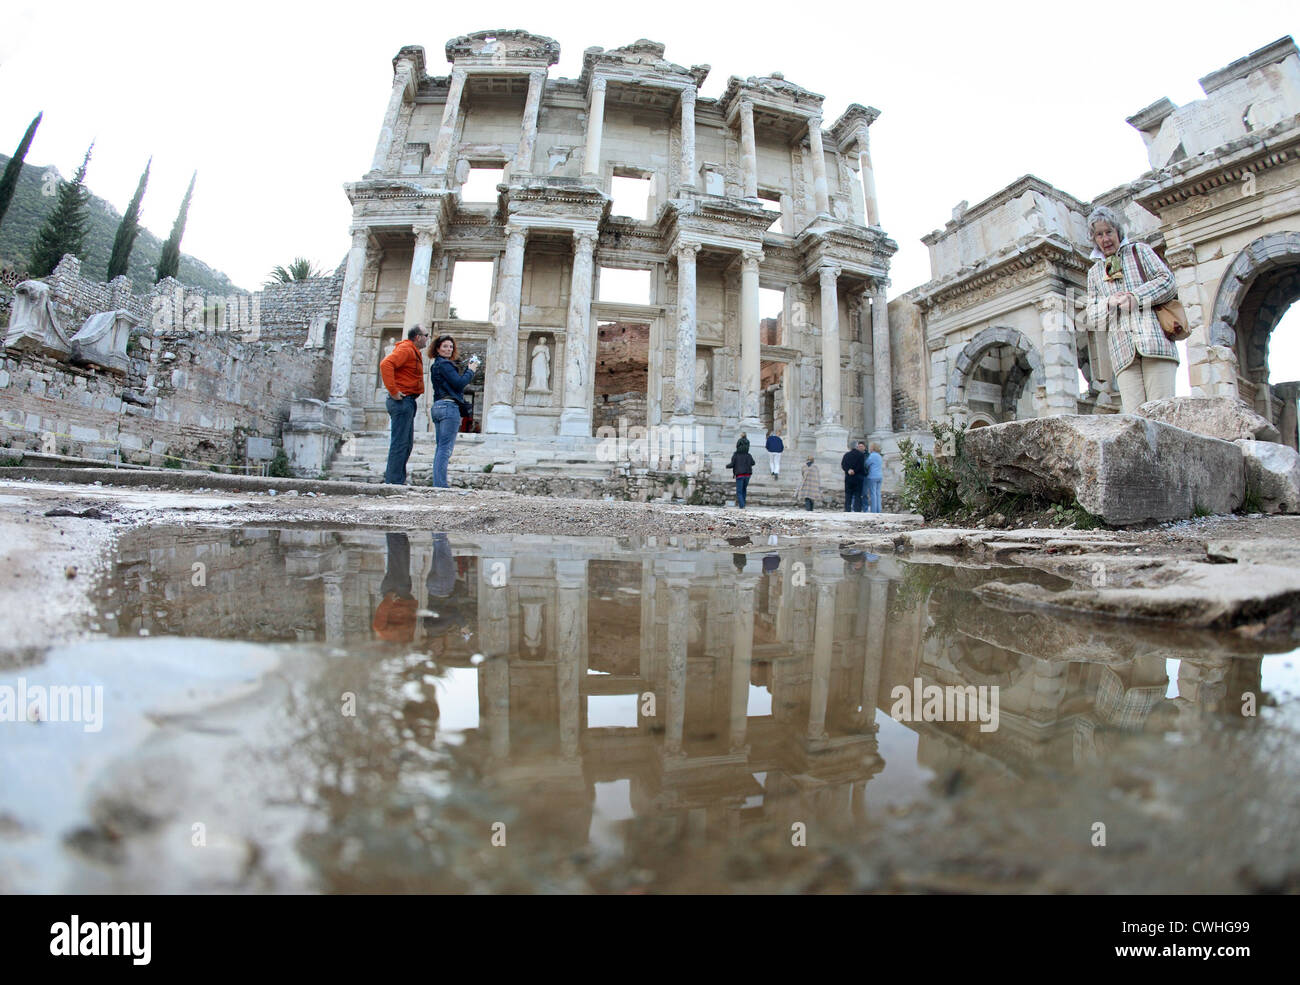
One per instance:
[(4, 379), (1273, 471), (34, 323), (102, 340), (80, 433), (1123, 468), (259, 449), (1216, 417)]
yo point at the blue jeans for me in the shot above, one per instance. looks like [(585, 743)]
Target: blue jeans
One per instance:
[(742, 485), (873, 494), (853, 494), (446, 424), (401, 415)]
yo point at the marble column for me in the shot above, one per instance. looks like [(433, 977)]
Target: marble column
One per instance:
[(679, 618), (450, 117), (345, 335), (688, 138), (528, 139), (867, 175), (831, 434), (570, 638), (595, 128), (684, 381), (742, 656), (750, 342), (880, 360), (575, 418), (500, 416), (821, 191), (401, 82), (748, 150), (417, 288), (823, 643), (1060, 356)]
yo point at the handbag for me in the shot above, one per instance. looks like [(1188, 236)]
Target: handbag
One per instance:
[(1171, 315)]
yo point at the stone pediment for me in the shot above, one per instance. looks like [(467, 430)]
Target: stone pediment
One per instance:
[(858, 250), (568, 198), (1003, 271), (715, 219), (507, 46), (778, 104), (642, 60), (856, 117)]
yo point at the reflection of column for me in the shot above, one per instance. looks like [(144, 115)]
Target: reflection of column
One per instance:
[(884, 382), (528, 139), (823, 643), (595, 128), (749, 341), (495, 714), (450, 113), (494, 606), (345, 335), (742, 655), (748, 150), (830, 345), (575, 418), (820, 189), (401, 81), (873, 660), (679, 618), (571, 582), (417, 288), (684, 384), (868, 176), (333, 581), (688, 138), (500, 417)]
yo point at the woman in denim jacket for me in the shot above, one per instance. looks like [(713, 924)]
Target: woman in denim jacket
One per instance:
[(449, 403)]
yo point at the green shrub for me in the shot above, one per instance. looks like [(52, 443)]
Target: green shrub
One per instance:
[(279, 467), (1252, 502), (944, 485), (1072, 514), (172, 463)]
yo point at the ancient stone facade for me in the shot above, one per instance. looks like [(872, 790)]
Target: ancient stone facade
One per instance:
[(999, 317), (743, 193)]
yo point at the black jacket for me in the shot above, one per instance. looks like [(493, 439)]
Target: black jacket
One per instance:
[(742, 463), (856, 461), (449, 383)]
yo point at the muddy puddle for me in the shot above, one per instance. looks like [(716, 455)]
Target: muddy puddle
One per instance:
[(267, 710)]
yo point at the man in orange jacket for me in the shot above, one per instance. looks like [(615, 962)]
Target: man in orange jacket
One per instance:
[(403, 374)]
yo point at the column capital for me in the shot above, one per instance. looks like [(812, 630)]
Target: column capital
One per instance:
[(683, 250), (458, 75), (829, 271), (360, 235), (516, 233), (750, 259), (585, 239), (425, 235), (1181, 256), (815, 126), (537, 76), (863, 138), (688, 96), (598, 84), (747, 105)]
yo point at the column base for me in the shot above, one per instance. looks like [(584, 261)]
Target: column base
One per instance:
[(499, 419), (832, 439), (575, 421), (752, 426)]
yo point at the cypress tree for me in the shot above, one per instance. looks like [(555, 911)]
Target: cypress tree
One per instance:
[(65, 228), (127, 230), (169, 261), (14, 168)]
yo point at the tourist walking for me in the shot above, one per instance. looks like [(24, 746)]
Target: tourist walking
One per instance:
[(449, 403), (402, 371), (875, 474), (854, 464), (1125, 284), (774, 448), (742, 467), (810, 485)]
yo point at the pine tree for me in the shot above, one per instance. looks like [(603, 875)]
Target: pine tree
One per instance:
[(14, 168), (66, 227), (128, 229), (169, 262)]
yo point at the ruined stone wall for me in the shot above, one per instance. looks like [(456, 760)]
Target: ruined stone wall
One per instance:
[(909, 360)]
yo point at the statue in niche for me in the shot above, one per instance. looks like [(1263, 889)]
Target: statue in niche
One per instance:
[(539, 378), (703, 380), (533, 626)]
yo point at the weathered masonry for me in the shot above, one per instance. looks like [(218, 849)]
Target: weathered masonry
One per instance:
[(746, 214)]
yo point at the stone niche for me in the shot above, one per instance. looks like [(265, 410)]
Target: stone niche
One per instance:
[(540, 370)]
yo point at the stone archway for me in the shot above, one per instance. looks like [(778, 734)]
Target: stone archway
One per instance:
[(1256, 290), (1026, 364)]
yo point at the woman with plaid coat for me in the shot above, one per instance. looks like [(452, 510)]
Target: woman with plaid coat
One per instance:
[(1124, 286)]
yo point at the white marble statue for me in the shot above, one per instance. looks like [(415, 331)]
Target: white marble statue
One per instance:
[(540, 378), (703, 385)]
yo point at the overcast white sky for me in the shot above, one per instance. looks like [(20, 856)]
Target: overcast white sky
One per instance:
[(278, 105)]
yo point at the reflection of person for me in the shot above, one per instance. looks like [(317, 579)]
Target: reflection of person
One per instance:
[(447, 605), (853, 463), (810, 485), (402, 371), (1124, 286), (449, 403), (774, 448), (875, 474), (395, 615), (742, 467)]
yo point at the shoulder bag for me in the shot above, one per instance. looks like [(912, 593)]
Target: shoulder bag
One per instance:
[(1171, 315)]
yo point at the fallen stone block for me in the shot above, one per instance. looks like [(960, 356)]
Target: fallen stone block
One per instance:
[(1122, 468), (1273, 471), (1216, 417), (102, 340), (34, 324)]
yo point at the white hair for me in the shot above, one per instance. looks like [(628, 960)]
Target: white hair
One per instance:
[(1104, 213)]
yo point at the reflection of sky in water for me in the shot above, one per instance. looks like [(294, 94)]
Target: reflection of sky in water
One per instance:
[(611, 710), (1171, 670), (612, 804), (759, 701), (903, 779), (458, 699)]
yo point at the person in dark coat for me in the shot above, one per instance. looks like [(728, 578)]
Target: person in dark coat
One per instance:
[(742, 467), (774, 448), (854, 464)]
